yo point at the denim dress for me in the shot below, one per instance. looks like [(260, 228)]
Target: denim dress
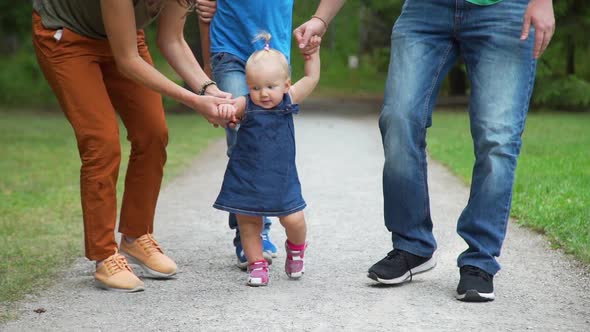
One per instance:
[(261, 177)]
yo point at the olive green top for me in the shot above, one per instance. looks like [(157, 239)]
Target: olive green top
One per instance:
[(484, 2), (85, 18)]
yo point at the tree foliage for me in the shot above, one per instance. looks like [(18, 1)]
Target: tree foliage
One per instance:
[(15, 16), (563, 73), (15, 22), (362, 27), (564, 70)]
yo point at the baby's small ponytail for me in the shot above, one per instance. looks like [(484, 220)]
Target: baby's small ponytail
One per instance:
[(263, 35), (267, 55)]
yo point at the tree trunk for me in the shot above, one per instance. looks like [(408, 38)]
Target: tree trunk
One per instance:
[(570, 56)]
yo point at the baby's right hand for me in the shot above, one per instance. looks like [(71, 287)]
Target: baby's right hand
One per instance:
[(227, 112)]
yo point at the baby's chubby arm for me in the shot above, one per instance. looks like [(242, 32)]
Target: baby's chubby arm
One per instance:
[(240, 106), (302, 88)]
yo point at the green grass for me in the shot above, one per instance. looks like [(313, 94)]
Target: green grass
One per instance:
[(22, 82), (40, 213), (338, 80), (552, 188)]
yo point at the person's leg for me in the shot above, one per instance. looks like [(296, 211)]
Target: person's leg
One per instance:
[(76, 80), (422, 52), (250, 235), (267, 245), (295, 245), (501, 70), (295, 227), (71, 66), (229, 73), (250, 228), (142, 113)]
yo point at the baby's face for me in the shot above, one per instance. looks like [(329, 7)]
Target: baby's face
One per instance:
[(266, 86)]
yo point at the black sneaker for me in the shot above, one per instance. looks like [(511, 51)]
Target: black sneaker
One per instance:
[(399, 266), (476, 285)]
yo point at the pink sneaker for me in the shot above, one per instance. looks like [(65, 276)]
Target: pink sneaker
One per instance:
[(258, 274), (294, 264)]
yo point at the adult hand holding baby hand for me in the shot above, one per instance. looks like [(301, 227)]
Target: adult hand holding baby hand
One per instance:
[(208, 106), (226, 111), (312, 47), (313, 27)]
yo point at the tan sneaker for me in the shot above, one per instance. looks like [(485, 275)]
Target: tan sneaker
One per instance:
[(147, 254), (115, 274)]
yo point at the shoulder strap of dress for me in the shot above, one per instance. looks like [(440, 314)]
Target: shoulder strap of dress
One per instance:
[(288, 105)]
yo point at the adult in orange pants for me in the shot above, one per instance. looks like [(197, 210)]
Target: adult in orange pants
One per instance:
[(94, 56)]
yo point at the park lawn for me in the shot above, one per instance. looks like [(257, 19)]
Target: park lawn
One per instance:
[(338, 80), (40, 213), (552, 188)]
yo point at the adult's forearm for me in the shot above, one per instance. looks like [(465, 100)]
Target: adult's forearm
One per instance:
[(140, 71), (181, 58), (119, 23), (327, 9)]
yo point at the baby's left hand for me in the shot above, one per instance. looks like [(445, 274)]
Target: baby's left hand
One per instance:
[(313, 46)]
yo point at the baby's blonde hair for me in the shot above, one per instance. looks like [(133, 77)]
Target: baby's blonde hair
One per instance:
[(268, 55)]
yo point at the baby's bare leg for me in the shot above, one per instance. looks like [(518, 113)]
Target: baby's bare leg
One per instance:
[(295, 246), (250, 228), (294, 227)]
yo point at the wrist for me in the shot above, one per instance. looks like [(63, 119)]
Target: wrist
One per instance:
[(188, 97), (319, 18), (204, 87)]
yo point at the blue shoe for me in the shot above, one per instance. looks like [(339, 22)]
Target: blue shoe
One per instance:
[(267, 245), (243, 261)]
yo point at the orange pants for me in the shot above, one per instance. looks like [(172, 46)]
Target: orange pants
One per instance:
[(91, 91)]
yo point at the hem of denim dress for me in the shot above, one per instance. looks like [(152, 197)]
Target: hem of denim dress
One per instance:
[(260, 213)]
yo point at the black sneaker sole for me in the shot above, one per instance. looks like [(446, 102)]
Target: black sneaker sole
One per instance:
[(473, 295), (424, 267)]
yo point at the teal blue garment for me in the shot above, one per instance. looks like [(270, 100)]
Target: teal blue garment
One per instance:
[(236, 23), (484, 2)]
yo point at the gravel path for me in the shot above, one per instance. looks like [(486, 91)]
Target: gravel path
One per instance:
[(340, 159)]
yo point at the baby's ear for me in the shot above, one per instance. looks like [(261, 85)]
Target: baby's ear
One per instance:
[(287, 84)]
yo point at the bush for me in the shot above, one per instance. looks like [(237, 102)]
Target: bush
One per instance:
[(21, 81), (569, 93)]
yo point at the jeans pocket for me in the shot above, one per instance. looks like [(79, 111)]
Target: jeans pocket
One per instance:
[(224, 62), (216, 58)]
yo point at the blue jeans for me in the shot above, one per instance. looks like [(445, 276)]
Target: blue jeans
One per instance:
[(426, 41), (229, 72)]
